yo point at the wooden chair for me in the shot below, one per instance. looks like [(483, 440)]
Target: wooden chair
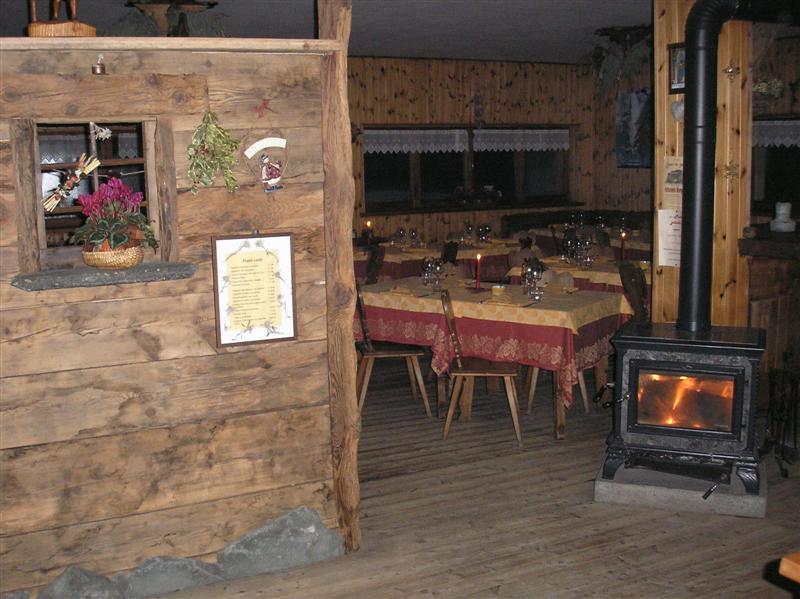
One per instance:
[(450, 252), (375, 256), (634, 285), (382, 350), (464, 371)]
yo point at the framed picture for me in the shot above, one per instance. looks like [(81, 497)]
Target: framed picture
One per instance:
[(677, 68), (254, 297)]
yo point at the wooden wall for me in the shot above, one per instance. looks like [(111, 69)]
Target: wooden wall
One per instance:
[(781, 61), (125, 432), (387, 92), (729, 303)]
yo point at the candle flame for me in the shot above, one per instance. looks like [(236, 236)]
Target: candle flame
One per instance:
[(369, 224), (479, 257)]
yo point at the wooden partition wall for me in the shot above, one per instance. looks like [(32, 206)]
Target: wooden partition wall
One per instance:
[(729, 287), (126, 433)]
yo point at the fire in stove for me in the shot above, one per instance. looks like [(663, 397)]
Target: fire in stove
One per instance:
[(682, 401)]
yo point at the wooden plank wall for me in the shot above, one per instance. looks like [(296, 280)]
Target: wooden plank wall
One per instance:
[(387, 92), (125, 433), (732, 195), (780, 61)]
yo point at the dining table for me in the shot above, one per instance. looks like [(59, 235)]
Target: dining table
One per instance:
[(635, 246), (567, 331), (602, 275), (405, 260)]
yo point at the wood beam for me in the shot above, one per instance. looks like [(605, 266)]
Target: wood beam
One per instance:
[(334, 23)]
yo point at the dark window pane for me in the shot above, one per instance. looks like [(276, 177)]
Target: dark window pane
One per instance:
[(386, 181), (782, 176), (494, 171), (545, 173), (441, 174)]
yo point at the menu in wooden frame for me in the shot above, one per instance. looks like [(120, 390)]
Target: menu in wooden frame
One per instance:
[(254, 288)]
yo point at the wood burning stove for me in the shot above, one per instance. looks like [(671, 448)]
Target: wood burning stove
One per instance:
[(685, 402), (685, 393)]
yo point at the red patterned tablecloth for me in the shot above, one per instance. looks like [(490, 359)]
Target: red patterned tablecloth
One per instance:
[(583, 324)]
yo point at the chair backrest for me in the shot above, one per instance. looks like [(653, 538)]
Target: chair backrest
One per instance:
[(450, 252), (556, 240), (450, 319), (635, 287), (362, 318), (374, 263)]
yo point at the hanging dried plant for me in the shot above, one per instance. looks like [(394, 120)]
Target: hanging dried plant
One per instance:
[(212, 150)]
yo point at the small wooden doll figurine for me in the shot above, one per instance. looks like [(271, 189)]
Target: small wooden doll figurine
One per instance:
[(73, 9)]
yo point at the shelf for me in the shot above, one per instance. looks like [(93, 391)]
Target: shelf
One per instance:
[(146, 272)]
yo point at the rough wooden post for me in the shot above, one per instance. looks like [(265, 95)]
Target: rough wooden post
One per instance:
[(339, 190)]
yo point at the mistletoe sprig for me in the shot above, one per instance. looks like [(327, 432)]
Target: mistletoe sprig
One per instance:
[(212, 150)]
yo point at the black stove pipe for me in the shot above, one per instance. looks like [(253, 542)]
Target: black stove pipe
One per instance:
[(703, 26)]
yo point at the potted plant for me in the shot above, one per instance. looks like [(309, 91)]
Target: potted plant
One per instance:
[(115, 230)]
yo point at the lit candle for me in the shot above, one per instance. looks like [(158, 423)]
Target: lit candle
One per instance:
[(478, 272), (622, 237), (369, 224)]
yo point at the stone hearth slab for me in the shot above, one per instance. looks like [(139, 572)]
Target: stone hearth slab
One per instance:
[(650, 488)]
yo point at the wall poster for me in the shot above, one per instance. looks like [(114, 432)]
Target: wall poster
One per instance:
[(673, 183), (633, 135), (669, 237), (253, 288)]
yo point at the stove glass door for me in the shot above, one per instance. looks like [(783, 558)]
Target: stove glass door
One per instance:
[(699, 402)]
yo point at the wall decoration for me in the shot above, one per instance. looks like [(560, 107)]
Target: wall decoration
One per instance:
[(677, 68), (673, 182), (270, 165), (254, 288), (212, 150), (633, 139), (669, 237)]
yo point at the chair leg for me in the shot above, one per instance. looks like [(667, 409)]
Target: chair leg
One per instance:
[(362, 366), (584, 394), (511, 393), (421, 383), (457, 384), (466, 399), (412, 379), (368, 364), (530, 383)]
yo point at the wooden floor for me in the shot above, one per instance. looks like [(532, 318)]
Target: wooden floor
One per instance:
[(477, 517)]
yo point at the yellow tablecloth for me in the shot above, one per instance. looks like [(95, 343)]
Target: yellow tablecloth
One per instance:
[(601, 271), (558, 309)]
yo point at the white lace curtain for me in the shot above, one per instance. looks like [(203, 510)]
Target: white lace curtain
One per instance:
[(387, 141), (776, 133), (456, 140), (535, 140)]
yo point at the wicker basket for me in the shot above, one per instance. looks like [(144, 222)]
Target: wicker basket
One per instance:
[(126, 258)]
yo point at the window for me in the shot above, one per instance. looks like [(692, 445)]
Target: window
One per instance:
[(121, 154), (444, 169), (42, 152), (776, 154)]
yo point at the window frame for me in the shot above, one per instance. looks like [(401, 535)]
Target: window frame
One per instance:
[(160, 182), (415, 203)]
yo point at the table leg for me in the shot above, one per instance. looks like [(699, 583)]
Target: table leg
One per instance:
[(559, 409)]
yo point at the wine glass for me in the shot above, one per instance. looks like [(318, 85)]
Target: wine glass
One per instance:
[(427, 270)]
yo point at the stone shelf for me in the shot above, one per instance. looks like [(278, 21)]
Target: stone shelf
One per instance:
[(92, 277)]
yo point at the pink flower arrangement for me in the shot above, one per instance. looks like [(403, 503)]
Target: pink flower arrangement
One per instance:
[(113, 218), (111, 198)]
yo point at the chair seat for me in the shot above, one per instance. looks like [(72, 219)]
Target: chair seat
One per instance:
[(381, 349), (481, 367)]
